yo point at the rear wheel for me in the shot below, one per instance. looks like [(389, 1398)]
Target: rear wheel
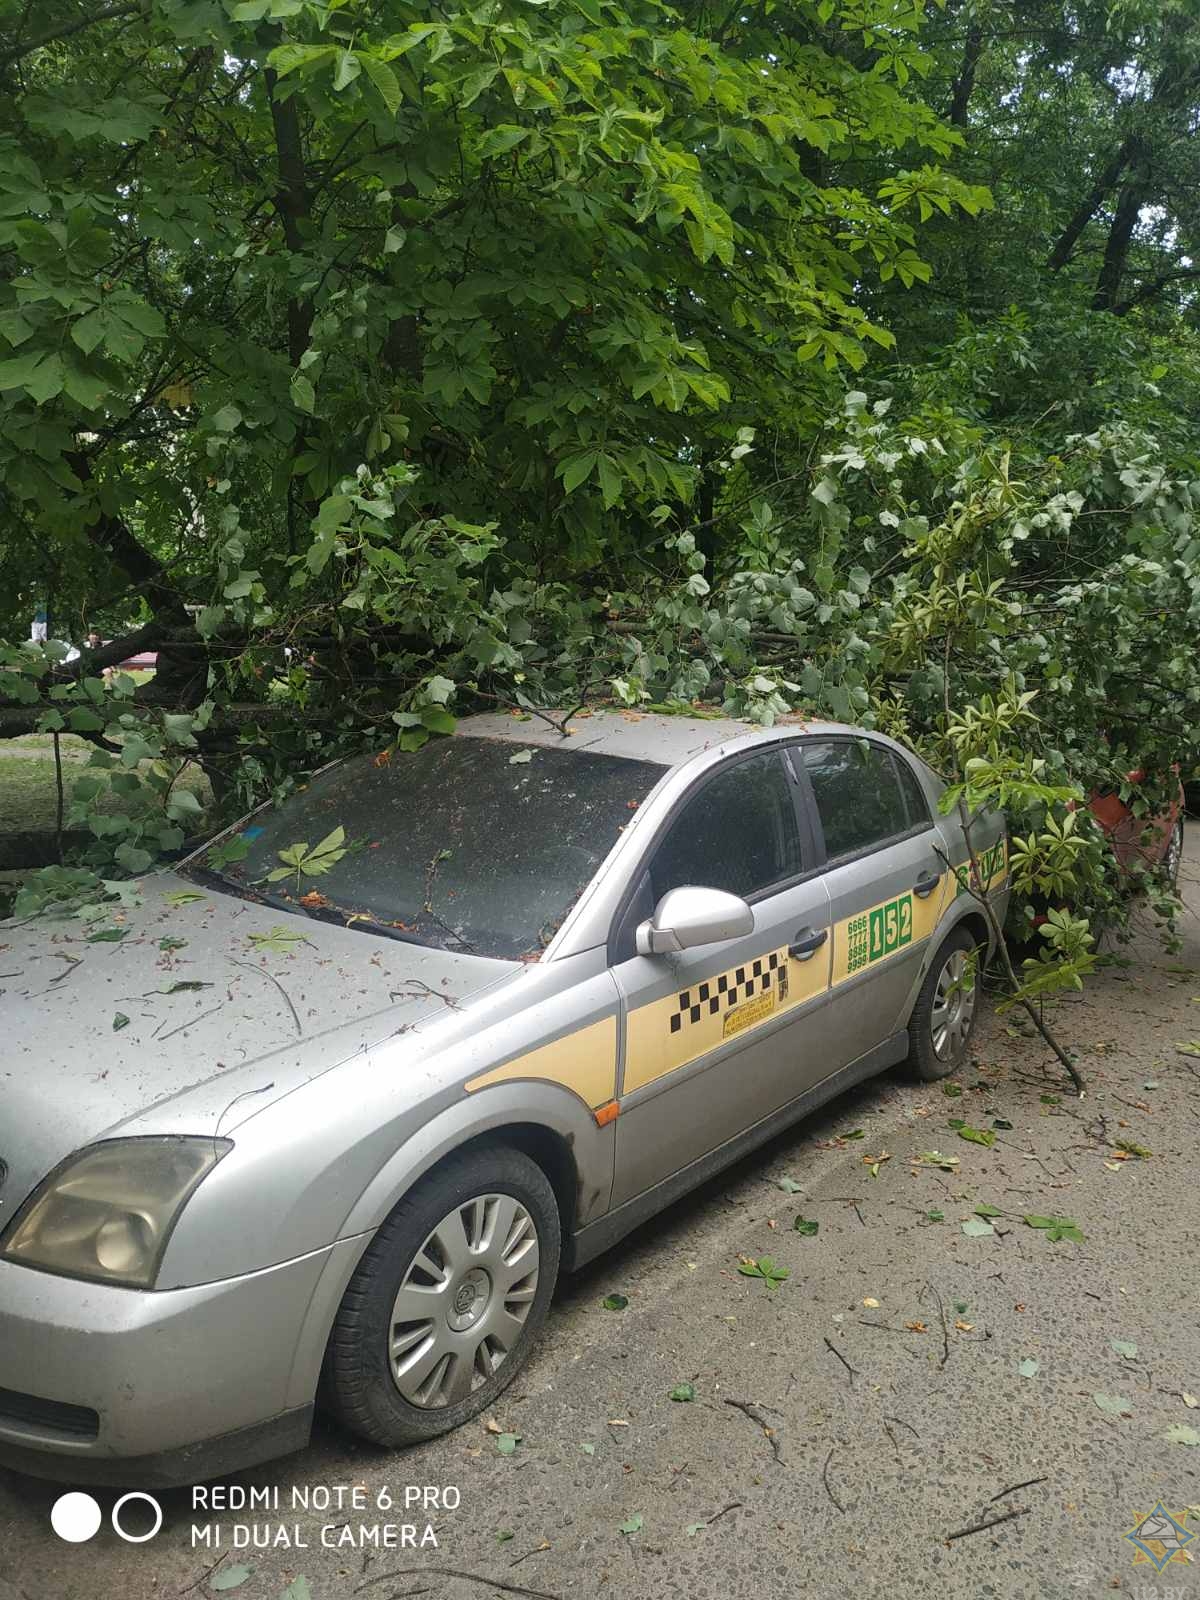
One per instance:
[(1173, 854), (447, 1301), (945, 1014)]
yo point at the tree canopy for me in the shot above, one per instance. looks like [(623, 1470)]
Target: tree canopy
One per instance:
[(373, 360)]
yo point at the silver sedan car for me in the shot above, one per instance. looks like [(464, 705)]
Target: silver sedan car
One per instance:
[(322, 1117)]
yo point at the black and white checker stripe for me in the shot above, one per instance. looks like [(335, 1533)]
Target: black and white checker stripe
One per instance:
[(731, 988)]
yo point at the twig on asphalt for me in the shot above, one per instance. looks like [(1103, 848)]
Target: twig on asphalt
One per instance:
[(747, 1408), (989, 1522), (207, 1573), (833, 1350), (732, 1506), (457, 1572), (945, 1329), (825, 1481), (1013, 1487), (904, 1424)]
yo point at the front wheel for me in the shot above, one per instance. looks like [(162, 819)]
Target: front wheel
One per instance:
[(944, 1016), (447, 1301)]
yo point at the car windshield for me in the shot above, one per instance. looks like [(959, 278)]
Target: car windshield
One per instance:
[(470, 844)]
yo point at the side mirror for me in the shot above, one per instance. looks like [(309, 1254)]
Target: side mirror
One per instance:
[(690, 916)]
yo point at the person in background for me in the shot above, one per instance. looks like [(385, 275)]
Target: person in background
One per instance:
[(37, 630)]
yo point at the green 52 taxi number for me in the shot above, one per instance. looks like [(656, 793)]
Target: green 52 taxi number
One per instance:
[(890, 927)]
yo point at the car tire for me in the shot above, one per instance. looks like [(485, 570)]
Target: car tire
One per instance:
[(944, 1017), (449, 1240)]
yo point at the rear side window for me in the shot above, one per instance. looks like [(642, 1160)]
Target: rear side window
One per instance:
[(858, 794), (914, 795), (737, 833)]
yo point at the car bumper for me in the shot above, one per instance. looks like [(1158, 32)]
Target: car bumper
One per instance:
[(103, 1384)]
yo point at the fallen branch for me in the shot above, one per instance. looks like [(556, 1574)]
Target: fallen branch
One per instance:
[(458, 1572), (833, 1349), (989, 1522), (755, 1415), (1012, 1488), (825, 1481), (263, 973)]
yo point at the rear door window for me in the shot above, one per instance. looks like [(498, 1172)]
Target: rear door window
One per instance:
[(858, 793)]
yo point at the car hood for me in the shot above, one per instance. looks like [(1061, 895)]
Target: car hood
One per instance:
[(188, 1009)]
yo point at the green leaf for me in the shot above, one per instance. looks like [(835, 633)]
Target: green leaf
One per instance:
[(577, 469), (788, 1185), (632, 1524), (988, 1211), (1131, 1149), (182, 897), (438, 720), (231, 1577), (520, 758), (107, 936), (1177, 1433), (855, 1133), (983, 1136), (504, 1536), (1124, 1348), (226, 420), (304, 396), (1113, 1405), (805, 1228), (119, 1021), (393, 240), (346, 68), (1028, 1368), (935, 1216), (683, 1391), (614, 1302), (977, 1228), (691, 1528), (506, 1443), (384, 79), (952, 1090)]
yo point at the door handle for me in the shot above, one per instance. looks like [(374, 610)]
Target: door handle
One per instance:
[(807, 943), (926, 884)]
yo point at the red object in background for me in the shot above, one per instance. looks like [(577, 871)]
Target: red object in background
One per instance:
[(147, 660), (1141, 843)]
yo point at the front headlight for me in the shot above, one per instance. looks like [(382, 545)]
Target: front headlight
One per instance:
[(107, 1212)]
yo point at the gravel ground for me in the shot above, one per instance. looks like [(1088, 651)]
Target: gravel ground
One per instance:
[(889, 1394)]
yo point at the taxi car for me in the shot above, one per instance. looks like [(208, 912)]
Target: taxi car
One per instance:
[(320, 1120)]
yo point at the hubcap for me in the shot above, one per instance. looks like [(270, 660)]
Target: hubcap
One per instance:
[(953, 1007), (463, 1301)]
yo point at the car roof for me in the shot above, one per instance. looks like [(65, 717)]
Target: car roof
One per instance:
[(637, 735)]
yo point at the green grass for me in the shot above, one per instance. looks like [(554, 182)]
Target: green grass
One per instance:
[(27, 788)]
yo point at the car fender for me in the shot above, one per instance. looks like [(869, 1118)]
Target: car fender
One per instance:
[(517, 1102)]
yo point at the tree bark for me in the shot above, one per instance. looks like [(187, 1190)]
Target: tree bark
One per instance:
[(1109, 176), (964, 84), (1116, 250), (292, 202)]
